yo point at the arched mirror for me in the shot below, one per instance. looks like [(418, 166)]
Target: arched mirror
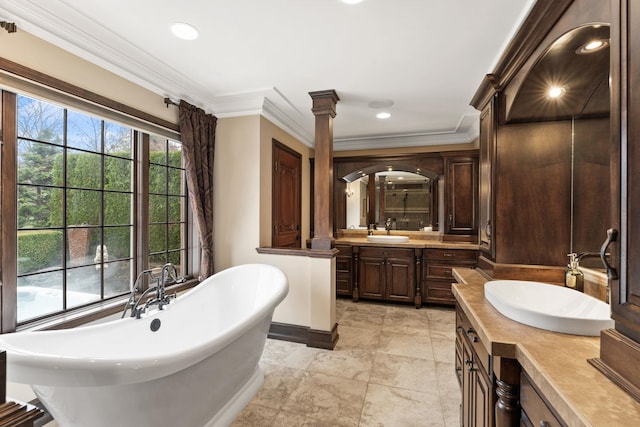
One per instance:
[(405, 195), (570, 82)]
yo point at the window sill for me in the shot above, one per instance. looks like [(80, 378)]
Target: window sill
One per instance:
[(92, 313)]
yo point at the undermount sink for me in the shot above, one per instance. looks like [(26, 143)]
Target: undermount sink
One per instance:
[(387, 239), (550, 307)]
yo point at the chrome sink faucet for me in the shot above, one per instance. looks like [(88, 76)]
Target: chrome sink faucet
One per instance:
[(387, 226)]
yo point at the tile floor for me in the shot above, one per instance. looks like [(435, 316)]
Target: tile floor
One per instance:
[(392, 367)]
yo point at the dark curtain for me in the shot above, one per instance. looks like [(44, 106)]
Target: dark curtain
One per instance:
[(198, 131)]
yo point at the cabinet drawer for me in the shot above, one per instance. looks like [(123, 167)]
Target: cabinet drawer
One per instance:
[(343, 264), (535, 410), (439, 271), (368, 251), (345, 250), (451, 255), (439, 292)]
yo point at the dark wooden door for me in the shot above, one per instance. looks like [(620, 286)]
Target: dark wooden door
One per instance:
[(287, 184)]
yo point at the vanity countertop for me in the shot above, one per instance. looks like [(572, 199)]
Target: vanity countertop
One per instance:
[(556, 362), (412, 243)]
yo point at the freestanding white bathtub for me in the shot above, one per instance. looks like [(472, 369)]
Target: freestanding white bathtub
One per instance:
[(200, 368)]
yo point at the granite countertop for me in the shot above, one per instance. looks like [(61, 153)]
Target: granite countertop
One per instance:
[(556, 362), (412, 243)]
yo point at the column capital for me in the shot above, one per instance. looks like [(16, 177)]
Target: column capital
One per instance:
[(324, 102)]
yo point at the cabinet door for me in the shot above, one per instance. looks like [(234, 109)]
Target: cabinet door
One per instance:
[(625, 292), (482, 398), (372, 272), (401, 282), (487, 160), (461, 195)]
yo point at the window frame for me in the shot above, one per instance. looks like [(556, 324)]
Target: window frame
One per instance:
[(140, 197)]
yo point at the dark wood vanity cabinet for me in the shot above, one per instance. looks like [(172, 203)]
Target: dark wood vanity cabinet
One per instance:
[(535, 411), (438, 272), (475, 375), (344, 270), (387, 274)]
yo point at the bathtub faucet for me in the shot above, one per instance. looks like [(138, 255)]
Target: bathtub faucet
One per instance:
[(168, 275)]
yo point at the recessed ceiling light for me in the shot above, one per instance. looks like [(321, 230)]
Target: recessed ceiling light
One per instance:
[(556, 91), (383, 115), (352, 1), (184, 31), (592, 46)]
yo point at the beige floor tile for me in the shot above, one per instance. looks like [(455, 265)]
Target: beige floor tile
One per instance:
[(255, 416), (444, 349), (408, 321), (287, 354), (351, 364), (368, 307), (328, 398), (362, 319), (357, 338), (287, 419), (405, 372), (450, 394), (417, 346), (279, 383), (394, 407)]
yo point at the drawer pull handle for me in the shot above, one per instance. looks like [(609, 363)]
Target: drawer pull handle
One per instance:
[(446, 254)]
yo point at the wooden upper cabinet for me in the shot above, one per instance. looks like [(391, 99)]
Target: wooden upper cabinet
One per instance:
[(461, 194)]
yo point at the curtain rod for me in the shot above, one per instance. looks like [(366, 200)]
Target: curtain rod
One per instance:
[(168, 102)]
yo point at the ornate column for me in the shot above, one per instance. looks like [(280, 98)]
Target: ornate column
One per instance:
[(324, 108)]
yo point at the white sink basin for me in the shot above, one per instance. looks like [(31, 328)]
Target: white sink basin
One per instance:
[(387, 239), (550, 307)]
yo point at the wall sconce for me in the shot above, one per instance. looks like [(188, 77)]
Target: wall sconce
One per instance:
[(348, 192)]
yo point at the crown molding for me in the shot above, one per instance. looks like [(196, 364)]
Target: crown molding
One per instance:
[(467, 130), (91, 41)]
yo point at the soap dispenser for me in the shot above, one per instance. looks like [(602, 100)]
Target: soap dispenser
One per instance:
[(574, 278)]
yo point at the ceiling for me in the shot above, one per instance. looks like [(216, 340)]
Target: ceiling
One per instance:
[(265, 56)]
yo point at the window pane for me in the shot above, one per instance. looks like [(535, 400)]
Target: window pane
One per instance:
[(157, 237), (176, 181), (157, 179), (174, 236), (39, 294), (117, 276), (83, 285), (157, 150), (40, 121), (83, 207), (84, 132), (39, 207), (39, 250), (118, 242), (175, 208), (117, 174), (80, 240), (157, 208), (175, 154), (84, 170), (39, 164), (117, 140), (117, 208), (176, 258), (157, 260)]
